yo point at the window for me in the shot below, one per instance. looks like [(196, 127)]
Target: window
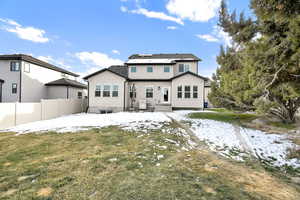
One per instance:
[(115, 92), (14, 66), (98, 91), (106, 91), (187, 92), (14, 88), (133, 69), (149, 69), (181, 67), (179, 92), (184, 67), (149, 92), (27, 67), (79, 94), (166, 69), (195, 91), (63, 75)]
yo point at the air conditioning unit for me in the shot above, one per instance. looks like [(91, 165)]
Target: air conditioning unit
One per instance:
[(142, 104)]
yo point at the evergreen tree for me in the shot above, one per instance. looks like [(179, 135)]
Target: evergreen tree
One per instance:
[(261, 72)]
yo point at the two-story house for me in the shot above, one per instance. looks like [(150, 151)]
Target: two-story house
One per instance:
[(159, 82), (24, 78)]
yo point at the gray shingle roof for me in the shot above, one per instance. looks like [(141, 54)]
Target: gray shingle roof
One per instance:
[(67, 82), (177, 56), (120, 69), (36, 61)]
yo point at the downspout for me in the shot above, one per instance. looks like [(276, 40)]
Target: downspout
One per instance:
[(124, 102), (67, 92), (203, 95), (20, 89), (88, 97)]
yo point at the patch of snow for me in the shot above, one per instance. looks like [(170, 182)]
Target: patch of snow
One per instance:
[(77, 122), (237, 142), (160, 157)]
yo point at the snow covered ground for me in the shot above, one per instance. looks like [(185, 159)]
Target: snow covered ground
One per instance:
[(228, 140), (237, 142), (83, 121)]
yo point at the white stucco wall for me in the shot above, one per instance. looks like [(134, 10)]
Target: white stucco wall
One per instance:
[(112, 103), (189, 102), (33, 82), (9, 77)]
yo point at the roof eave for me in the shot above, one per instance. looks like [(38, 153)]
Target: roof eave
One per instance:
[(103, 70)]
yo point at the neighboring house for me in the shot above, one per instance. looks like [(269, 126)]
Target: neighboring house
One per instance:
[(159, 82), (27, 79)]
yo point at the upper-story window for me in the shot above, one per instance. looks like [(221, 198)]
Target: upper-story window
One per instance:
[(14, 88), (166, 69), (63, 75), (14, 66), (149, 69), (133, 69), (27, 67), (184, 67)]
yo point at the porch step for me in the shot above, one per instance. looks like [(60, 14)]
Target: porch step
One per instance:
[(163, 108)]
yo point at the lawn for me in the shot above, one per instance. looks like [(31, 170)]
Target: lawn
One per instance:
[(110, 163), (224, 116)]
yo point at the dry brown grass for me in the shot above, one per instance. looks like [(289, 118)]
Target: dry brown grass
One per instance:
[(119, 165)]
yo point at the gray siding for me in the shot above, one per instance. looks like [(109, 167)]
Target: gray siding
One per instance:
[(9, 77)]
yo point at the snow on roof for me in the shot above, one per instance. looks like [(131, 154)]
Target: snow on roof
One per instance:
[(150, 61)]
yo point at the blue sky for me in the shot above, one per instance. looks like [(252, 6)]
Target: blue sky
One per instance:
[(84, 36)]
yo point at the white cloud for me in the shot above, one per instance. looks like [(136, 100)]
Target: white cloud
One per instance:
[(224, 37), (194, 10), (208, 38), (172, 27), (57, 62), (123, 9), (153, 14), (25, 33), (116, 51), (97, 59), (217, 35), (87, 72)]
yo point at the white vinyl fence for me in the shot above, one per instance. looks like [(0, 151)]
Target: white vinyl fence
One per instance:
[(12, 114)]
